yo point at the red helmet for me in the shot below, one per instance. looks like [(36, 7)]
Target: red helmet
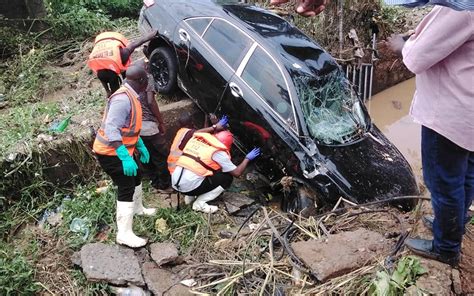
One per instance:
[(226, 138)]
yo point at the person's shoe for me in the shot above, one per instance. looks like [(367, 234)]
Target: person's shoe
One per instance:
[(125, 235), (428, 222), (139, 209), (424, 248), (201, 201), (189, 199)]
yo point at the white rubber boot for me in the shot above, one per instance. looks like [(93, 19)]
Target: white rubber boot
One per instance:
[(201, 201), (138, 202), (125, 235), (188, 199)]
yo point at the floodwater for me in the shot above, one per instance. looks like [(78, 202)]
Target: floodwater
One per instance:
[(389, 111)]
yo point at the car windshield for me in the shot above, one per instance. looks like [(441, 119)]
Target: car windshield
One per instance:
[(331, 108)]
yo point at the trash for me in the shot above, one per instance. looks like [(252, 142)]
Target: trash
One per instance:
[(79, 225), (44, 138), (102, 233), (161, 226), (189, 283), (60, 126), (102, 189), (128, 291), (253, 226)]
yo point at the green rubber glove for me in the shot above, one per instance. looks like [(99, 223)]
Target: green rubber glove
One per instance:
[(144, 154), (130, 168)]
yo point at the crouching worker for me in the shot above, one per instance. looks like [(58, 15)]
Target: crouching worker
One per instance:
[(114, 146), (205, 170)]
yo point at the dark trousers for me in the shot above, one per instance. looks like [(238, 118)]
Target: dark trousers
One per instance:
[(157, 168), (112, 166), (218, 179), (448, 171), (110, 80)]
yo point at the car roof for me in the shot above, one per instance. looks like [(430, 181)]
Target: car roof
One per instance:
[(283, 40)]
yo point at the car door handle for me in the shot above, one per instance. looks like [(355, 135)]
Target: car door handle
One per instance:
[(235, 90), (183, 35)]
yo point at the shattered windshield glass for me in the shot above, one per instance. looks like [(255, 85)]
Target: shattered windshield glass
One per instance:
[(331, 109)]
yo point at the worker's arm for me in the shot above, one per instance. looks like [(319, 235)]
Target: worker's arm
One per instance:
[(134, 44), (219, 126), (117, 116), (150, 95), (306, 8), (227, 166), (440, 33)]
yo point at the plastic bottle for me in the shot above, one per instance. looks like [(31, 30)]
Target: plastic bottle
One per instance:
[(61, 126)]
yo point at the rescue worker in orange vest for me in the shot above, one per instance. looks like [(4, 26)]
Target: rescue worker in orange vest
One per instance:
[(110, 57), (205, 169), (114, 146), (186, 131)]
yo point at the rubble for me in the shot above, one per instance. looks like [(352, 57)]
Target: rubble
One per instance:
[(163, 253), (234, 202), (110, 263), (162, 282), (340, 253)]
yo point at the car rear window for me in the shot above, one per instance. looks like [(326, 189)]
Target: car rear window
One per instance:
[(199, 24), (265, 78), (227, 41)]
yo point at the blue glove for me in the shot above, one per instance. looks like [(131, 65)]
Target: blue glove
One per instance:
[(144, 154), (223, 121), (253, 154), (129, 166)]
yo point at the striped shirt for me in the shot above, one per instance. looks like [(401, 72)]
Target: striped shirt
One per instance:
[(454, 4)]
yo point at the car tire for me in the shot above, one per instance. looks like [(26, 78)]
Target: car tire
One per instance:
[(164, 69)]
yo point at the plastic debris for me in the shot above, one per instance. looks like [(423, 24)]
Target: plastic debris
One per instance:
[(161, 226), (129, 291), (60, 126), (189, 283), (79, 225)]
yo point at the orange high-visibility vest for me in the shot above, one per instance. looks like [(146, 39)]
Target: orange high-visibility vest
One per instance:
[(106, 53), (130, 134), (175, 152), (197, 154)]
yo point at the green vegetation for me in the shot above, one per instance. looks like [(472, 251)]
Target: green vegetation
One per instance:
[(407, 272)]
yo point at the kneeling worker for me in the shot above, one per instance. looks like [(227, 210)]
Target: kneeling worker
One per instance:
[(205, 169), (114, 146)]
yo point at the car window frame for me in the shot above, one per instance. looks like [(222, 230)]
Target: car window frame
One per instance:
[(239, 69)]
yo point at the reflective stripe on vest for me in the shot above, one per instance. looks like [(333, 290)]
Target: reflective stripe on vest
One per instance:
[(200, 148), (102, 145), (175, 152), (106, 53)]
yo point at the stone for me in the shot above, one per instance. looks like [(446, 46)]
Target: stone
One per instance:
[(163, 282), (456, 278), (76, 258), (163, 253), (114, 264), (341, 253), (437, 280), (236, 201)]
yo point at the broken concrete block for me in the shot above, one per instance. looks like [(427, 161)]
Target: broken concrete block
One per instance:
[(438, 279), (234, 202), (163, 282), (340, 253), (163, 253), (110, 263)]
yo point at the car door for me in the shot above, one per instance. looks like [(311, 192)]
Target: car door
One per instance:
[(209, 50), (258, 99)]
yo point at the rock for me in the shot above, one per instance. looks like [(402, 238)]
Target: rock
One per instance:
[(162, 282), (163, 253), (110, 263), (437, 280), (340, 253), (76, 258), (235, 201), (456, 278)]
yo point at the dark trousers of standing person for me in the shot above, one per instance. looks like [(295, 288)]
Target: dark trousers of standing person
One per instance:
[(157, 168), (112, 166), (448, 171), (110, 80)]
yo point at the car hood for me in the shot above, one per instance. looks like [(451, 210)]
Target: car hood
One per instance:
[(370, 169)]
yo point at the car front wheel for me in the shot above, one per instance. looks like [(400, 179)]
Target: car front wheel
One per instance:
[(163, 67)]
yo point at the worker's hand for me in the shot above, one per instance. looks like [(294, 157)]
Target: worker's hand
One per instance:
[(253, 154), (223, 121), (306, 8), (129, 165), (213, 118), (144, 154), (396, 43)]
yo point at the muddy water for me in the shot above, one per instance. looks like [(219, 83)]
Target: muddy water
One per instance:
[(389, 111)]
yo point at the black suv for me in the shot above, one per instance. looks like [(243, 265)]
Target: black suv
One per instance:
[(282, 91)]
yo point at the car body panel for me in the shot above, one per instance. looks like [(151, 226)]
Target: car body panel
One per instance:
[(362, 167)]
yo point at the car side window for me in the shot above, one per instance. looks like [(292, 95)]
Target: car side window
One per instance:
[(199, 24), (265, 78), (227, 41)]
